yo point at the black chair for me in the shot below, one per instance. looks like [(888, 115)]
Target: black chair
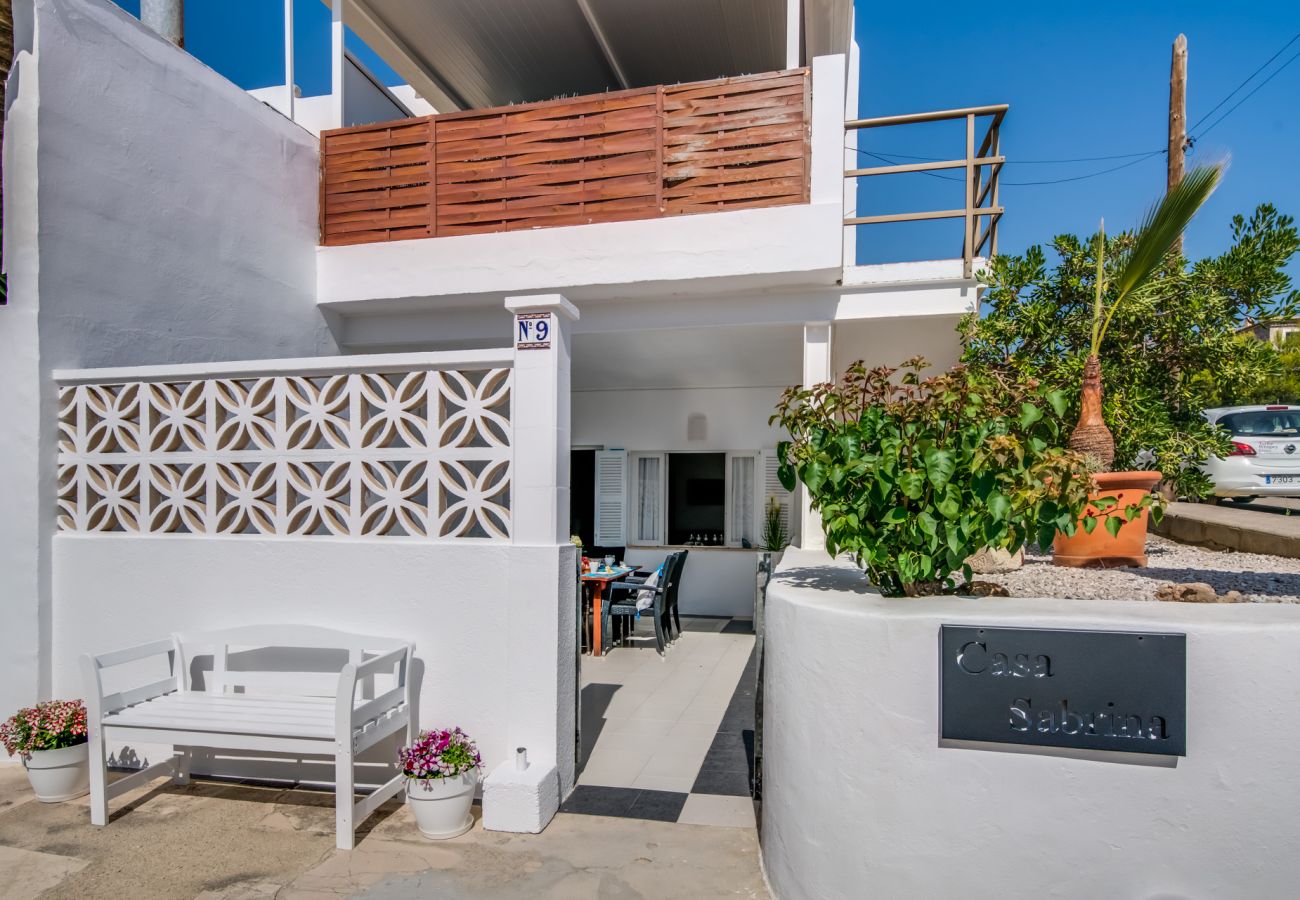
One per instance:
[(620, 602), (671, 597)]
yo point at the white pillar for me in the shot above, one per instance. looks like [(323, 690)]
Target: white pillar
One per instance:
[(288, 55), (816, 370), (852, 159), (827, 176), (541, 417), (793, 32), (337, 32)]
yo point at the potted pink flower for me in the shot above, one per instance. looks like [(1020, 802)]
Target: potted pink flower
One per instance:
[(442, 770), (51, 739)]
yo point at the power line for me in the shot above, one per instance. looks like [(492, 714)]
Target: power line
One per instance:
[(1247, 81), (1031, 162), (892, 160), (1087, 176), (1274, 74)]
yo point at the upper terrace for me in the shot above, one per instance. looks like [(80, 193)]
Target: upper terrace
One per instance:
[(725, 144), (601, 163)]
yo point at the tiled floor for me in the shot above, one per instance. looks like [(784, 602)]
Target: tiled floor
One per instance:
[(670, 738)]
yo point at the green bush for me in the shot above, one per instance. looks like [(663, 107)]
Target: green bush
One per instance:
[(1282, 383), (1172, 350), (913, 476)]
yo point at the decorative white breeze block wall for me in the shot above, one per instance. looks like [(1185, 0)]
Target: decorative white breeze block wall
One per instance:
[(383, 452)]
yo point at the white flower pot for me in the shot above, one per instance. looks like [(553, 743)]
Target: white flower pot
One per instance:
[(442, 805), (58, 775)]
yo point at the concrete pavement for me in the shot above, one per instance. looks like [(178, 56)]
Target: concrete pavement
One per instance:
[(1271, 527), (220, 841)]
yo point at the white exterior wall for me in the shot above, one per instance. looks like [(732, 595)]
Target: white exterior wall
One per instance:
[(860, 799), (176, 219), (716, 581), (494, 653), (178, 215), (656, 420)]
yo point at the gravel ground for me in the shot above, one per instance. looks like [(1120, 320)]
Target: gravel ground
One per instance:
[(1262, 579)]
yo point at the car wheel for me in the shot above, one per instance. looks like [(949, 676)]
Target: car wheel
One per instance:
[(1240, 501)]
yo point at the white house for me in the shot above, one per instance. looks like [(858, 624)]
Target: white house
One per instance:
[(250, 375)]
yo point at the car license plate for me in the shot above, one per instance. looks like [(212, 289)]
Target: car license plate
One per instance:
[(1282, 479)]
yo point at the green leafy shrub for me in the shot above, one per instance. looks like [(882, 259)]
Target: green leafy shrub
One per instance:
[(913, 476), (1282, 382)]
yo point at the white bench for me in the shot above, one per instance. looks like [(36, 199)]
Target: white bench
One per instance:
[(256, 706)]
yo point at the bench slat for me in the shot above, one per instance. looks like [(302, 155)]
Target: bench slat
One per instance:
[(131, 654), (122, 699), (226, 713), (206, 724), (172, 734)]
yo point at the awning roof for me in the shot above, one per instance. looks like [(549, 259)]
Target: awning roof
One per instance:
[(478, 53)]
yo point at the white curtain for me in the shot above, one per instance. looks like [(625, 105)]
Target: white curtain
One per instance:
[(649, 500), (743, 526)]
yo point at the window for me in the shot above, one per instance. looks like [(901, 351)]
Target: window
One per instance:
[(709, 498), (697, 491), (1263, 422)]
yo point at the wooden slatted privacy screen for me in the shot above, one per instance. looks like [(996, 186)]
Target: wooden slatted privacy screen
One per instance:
[(562, 162), (376, 182), (701, 147), (737, 142)]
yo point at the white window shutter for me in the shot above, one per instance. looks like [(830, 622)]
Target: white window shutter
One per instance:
[(611, 498), (772, 487)]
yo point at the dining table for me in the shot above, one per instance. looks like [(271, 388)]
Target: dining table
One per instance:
[(599, 579)]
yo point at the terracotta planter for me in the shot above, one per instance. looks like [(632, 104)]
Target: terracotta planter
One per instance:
[(1099, 549)]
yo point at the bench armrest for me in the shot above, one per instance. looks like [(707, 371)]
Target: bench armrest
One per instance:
[(383, 662), (98, 704), (347, 715)]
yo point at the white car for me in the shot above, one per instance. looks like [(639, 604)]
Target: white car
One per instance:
[(1265, 457)]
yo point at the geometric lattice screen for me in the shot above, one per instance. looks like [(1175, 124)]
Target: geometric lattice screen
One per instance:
[(415, 453)]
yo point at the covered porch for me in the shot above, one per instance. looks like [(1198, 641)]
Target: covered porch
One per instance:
[(671, 448)]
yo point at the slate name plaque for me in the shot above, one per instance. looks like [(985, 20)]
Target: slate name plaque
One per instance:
[(1093, 690)]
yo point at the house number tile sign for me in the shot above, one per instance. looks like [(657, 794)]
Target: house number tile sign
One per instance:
[(533, 331), (1092, 690)]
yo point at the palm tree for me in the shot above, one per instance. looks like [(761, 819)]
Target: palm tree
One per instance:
[(1164, 224)]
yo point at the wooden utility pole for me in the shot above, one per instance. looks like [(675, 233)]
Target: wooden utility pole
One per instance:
[(166, 17), (1177, 117)]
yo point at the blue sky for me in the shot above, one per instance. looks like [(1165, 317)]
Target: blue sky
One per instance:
[(1083, 80)]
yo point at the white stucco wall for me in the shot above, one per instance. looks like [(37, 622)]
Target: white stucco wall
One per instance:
[(177, 214), (715, 581), (758, 247), (655, 421), (861, 800), (497, 654), (154, 213)]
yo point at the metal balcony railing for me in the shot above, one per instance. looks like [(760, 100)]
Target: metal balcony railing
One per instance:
[(981, 212)]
